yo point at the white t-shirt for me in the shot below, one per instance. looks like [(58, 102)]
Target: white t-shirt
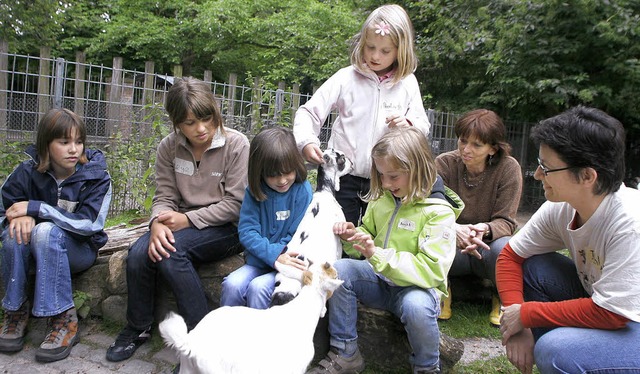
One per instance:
[(605, 250)]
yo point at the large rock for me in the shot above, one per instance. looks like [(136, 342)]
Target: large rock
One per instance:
[(383, 342)]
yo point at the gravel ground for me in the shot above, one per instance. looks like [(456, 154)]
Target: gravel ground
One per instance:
[(481, 349)]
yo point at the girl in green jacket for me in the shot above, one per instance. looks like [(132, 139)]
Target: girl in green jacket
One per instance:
[(408, 240)]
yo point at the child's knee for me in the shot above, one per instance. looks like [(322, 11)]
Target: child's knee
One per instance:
[(43, 234)]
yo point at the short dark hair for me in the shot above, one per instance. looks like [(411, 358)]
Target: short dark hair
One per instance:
[(273, 152), (487, 126), (586, 137), (58, 123), (195, 96)]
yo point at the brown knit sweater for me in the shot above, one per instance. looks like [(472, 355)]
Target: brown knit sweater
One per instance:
[(496, 197)]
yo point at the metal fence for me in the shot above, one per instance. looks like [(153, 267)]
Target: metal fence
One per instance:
[(121, 106)]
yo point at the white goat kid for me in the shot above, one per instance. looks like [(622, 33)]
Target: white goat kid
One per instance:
[(314, 240), (244, 340)]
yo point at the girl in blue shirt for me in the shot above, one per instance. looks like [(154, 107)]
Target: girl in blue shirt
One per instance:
[(274, 203)]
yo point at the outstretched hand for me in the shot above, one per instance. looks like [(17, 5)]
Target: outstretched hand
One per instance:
[(312, 153), (344, 230), (363, 244)]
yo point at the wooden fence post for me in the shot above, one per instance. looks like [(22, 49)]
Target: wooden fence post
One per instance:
[(44, 79), (149, 80), (256, 103), (4, 64), (177, 71), (295, 101), (231, 95), (78, 105), (115, 96), (208, 76)]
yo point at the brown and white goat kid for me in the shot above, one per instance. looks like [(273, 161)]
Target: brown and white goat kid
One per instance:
[(238, 339), (314, 240)]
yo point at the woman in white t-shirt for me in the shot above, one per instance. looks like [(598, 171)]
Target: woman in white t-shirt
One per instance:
[(579, 313)]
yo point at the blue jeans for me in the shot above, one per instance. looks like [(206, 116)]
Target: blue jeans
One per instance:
[(193, 246), (248, 286), (553, 277), (485, 268), (56, 255), (417, 308)]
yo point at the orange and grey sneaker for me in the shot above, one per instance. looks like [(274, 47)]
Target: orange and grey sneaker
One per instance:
[(14, 329), (61, 337)]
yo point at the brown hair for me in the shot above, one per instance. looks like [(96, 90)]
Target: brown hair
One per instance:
[(487, 126), (406, 149), (191, 95), (56, 124), (273, 152)]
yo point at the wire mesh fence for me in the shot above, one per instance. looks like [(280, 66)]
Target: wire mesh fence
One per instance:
[(123, 113)]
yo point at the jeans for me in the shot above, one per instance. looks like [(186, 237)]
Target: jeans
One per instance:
[(351, 188), (193, 246), (56, 255), (553, 277), (417, 308), (248, 286), (485, 268)]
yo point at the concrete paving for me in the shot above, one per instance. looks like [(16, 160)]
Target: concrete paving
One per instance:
[(88, 356)]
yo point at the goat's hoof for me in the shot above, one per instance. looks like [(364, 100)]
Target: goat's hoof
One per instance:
[(281, 298)]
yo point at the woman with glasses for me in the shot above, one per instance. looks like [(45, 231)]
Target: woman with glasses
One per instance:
[(576, 313), (489, 181)]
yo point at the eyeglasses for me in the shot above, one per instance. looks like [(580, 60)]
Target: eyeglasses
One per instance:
[(547, 171)]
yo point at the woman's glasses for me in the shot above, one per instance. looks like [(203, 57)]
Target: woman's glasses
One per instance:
[(547, 171)]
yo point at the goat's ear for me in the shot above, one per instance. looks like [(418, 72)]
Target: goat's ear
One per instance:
[(307, 277), (330, 270)]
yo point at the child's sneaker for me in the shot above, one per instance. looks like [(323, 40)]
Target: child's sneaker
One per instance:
[(335, 364), (126, 343), (14, 329), (61, 337)]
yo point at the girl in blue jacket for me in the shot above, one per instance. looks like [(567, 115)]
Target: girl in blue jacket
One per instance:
[(53, 212), (273, 206)]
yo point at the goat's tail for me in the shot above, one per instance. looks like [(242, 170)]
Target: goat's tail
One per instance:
[(174, 332)]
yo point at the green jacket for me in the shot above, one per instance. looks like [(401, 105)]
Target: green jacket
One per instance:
[(415, 243)]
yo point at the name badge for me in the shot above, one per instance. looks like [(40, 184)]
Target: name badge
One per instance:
[(282, 215), (183, 166), (405, 224)]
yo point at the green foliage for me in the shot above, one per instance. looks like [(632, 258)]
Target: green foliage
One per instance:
[(281, 40), (11, 154), (530, 60), (132, 159), (127, 218), (470, 320), (29, 25), (81, 302)]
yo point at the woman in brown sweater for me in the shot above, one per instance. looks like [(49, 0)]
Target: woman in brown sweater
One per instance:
[(489, 181)]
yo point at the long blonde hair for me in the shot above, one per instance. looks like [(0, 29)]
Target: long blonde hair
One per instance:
[(406, 150), (401, 34)]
